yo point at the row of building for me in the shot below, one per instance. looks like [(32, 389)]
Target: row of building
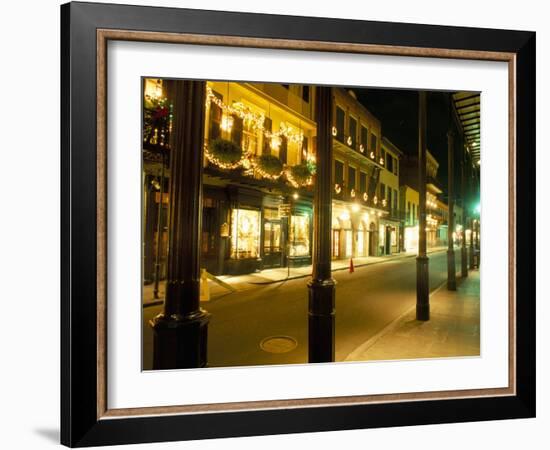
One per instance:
[(259, 170)]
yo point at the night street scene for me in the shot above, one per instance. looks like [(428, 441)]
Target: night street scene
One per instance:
[(294, 224)]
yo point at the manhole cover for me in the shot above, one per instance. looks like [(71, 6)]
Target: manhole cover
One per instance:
[(278, 344)]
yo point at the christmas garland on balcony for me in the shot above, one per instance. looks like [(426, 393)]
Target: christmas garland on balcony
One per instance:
[(157, 120), (253, 119)]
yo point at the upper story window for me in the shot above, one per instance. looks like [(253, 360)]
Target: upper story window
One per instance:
[(237, 131), (373, 142), (362, 182), (304, 148), (215, 118), (351, 177), (338, 172), (396, 167), (266, 144), (364, 137), (389, 162), (382, 191), (353, 132), (340, 121), (305, 94)]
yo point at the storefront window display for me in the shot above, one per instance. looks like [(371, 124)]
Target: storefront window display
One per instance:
[(349, 243), (299, 235), (335, 243), (411, 239), (382, 235), (245, 233), (360, 247)]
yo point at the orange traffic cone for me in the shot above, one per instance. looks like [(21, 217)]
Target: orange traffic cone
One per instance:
[(351, 268)]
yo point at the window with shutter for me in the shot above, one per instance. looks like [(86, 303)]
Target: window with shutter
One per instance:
[(304, 149), (351, 178), (283, 150), (340, 121), (215, 118), (237, 131), (362, 182), (339, 172), (353, 132), (266, 147)]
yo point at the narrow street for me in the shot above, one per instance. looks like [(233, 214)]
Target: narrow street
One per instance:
[(366, 302)]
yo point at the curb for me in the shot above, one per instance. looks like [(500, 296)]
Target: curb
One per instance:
[(393, 324), (297, 277)]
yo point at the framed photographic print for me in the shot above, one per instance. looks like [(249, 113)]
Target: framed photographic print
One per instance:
[(276, 224)]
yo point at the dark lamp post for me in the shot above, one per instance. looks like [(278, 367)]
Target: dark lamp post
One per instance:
[(422, 260)]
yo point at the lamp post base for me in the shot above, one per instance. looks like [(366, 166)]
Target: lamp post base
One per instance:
[(321, 324), (464, 262), (180, 342), (422, 288), (451, 270)]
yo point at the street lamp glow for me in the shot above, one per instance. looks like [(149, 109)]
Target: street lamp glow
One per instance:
[(355, 207), (295, 195)]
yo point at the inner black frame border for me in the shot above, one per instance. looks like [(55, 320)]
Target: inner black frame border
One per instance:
[(79, 423)]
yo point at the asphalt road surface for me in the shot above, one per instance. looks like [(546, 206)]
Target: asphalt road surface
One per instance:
[(366, 301)]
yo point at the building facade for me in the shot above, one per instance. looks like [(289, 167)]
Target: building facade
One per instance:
[(437, 210), (409, 201), (358, 204), (391, 225), (258, 174)]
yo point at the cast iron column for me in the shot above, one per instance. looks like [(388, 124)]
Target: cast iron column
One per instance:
[(472, 266), (422, 283), (180, 331), (464, 251), (478, 246), (322, 286), (160, 227), (451, 265)]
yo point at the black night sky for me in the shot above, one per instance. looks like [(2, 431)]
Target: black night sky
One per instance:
[(398, 112)]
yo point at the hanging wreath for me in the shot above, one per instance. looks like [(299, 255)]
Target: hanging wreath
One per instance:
[(224, 151), (157, 116), (269, 165), (300, 174)]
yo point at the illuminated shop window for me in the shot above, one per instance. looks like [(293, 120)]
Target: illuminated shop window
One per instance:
[(393, 237), (299, 236), (382, 235), (411, 239), (335, 243), (360, 248), (245, 233), (348, 243)]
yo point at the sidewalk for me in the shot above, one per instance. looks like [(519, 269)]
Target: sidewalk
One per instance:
[(269, 276), (453, 328)]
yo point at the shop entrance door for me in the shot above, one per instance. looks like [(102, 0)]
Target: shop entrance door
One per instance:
[(372, 239), (273, 255), (388, 241)]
